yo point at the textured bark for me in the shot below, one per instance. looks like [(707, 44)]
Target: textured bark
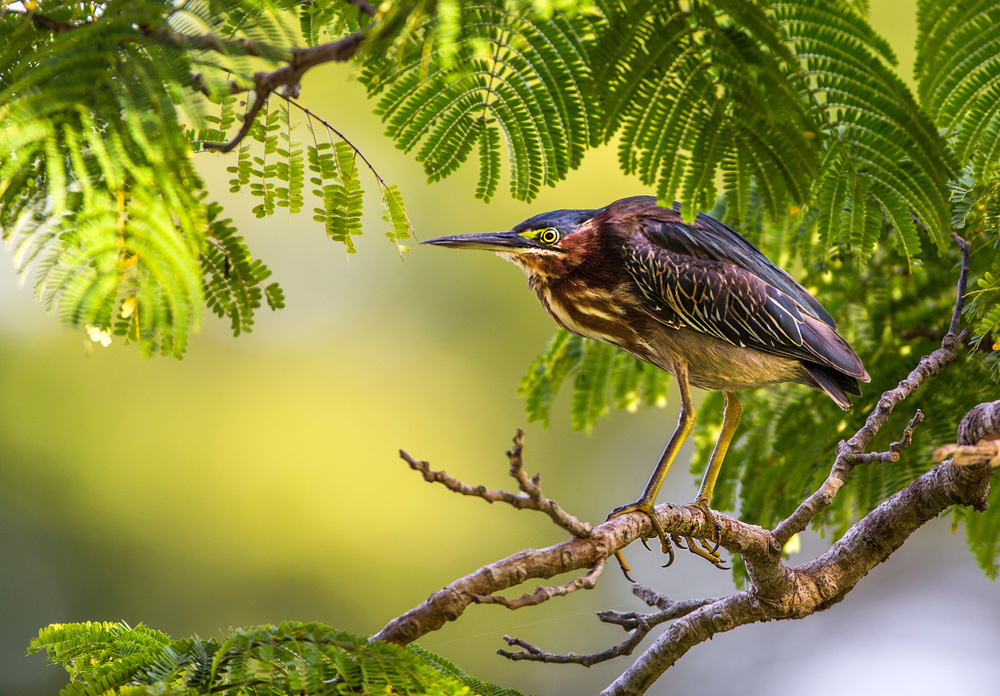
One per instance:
[(818, 584)]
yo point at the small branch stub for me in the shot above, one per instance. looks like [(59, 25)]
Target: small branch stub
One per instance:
[(978, 438)]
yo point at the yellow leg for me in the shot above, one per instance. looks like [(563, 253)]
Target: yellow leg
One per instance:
[(685, 423), (730, 421)]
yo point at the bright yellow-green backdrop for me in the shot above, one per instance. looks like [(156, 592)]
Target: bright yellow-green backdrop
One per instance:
[(258, 479)]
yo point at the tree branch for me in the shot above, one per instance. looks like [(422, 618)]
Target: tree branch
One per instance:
[(44, 22), (301, 60), (543, 594), (851, 452), (297, 61), (819, 584), (532, 500), (451, 602), (638, 624)]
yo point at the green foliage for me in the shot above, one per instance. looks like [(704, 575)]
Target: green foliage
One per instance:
[(749, 89), (292, 658), (463, 75), (99, 198), (102, 199), (704, 99), (604, 377), (475, 685), (695, 93), (959, 75), (233, 280)]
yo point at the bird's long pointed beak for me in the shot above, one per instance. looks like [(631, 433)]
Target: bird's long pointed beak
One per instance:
[(490, 241)]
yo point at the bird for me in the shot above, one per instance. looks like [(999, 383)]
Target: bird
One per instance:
[(693, 298)]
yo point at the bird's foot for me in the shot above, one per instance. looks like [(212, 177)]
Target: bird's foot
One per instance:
[(706, 548), (665, 546)]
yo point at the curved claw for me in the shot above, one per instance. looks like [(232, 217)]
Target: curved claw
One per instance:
[(624, 566), (670, 560), (709, 550), (713, 558), (665, 545)]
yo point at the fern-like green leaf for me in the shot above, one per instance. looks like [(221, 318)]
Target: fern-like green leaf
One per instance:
[(959, 74), (473, 73), (592, 385), (395, 215), (553, 365), (233, 279), (105, 659)]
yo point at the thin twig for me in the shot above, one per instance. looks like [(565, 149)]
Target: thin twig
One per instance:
[(892, 454), (637, 623), (532, 500), (383, 186), (299, 62), (963, 279)]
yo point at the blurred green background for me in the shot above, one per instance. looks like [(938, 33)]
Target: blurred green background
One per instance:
[(258, 479)]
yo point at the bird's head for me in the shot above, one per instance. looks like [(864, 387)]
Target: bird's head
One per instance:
[(543, 245)]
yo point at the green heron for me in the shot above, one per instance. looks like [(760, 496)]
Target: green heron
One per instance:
[(697, 300)]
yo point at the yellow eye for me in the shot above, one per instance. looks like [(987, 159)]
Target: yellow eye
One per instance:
[(549, 236)]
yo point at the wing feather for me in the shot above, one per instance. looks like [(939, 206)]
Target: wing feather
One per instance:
[(711, 240), (693, 286)]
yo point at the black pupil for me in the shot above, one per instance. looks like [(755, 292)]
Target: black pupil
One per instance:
[(549, 236)]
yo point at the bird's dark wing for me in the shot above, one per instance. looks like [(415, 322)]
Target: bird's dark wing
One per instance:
[(733, 303), (709, 239), (726, 245)]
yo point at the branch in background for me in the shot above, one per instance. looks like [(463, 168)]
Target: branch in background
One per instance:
[(639, 624), (43, 22), (289, 76), (364, 6), (963, 279), (297, 61), (923, 331)]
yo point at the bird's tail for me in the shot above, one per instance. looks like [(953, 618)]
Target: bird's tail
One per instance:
[(836, 384)]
